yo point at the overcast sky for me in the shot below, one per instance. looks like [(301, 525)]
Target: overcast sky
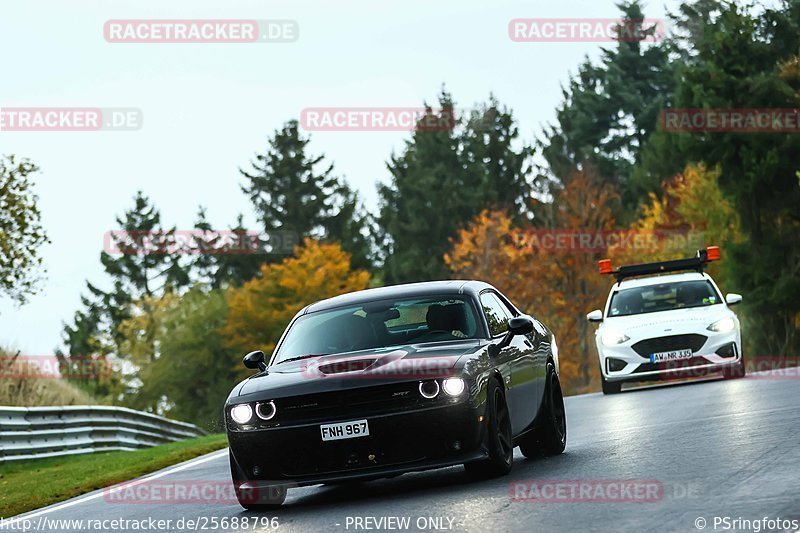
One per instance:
[(207, 108)]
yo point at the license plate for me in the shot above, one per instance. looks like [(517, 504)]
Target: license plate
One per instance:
[(344, 430), (674, 355)]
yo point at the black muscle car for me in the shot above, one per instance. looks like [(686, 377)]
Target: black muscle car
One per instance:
[(397, 379)]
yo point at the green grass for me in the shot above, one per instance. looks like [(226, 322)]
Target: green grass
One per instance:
[(28, 485)]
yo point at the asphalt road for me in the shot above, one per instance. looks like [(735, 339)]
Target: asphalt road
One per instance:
[(674, 453)]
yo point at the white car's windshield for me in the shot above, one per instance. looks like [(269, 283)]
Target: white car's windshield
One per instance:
[(379, 324), (663, 297)]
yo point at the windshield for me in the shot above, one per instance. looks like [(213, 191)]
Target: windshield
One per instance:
[(663, 297), (379, 324)]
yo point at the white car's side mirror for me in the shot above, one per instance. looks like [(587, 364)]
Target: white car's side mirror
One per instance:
[(597, 315), (733, 299)]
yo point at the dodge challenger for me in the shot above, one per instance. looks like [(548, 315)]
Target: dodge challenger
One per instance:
[(381, 382)]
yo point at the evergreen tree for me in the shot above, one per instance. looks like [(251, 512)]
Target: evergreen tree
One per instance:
[(293, 191), (488, 138), (610, 109), (219, 268), (135, 272), (442, 180), (285, 186), (204, 263), (352, 226), (85, 349), (429, 195), (141, 263), (739, 59)]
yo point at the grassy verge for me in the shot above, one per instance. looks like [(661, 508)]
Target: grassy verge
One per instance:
[(28, 485)]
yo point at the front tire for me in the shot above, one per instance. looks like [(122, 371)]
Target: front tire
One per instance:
[(499, 437), (550, 434), (736, 371), (254, 500), (609, 387)]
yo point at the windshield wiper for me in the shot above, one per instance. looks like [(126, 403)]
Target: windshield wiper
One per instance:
[(299, 357)]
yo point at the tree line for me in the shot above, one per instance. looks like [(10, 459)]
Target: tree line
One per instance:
[(180, 323)]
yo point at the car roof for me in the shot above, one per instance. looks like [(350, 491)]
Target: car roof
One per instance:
[(469, 287), (656, 280)]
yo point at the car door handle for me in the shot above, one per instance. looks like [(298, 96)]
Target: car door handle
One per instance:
[(528, 343)]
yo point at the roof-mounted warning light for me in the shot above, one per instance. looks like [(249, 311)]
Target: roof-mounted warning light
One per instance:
[(696, 263)]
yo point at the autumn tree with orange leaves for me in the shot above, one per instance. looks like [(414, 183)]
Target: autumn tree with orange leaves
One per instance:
[(259, 310), (693, 204), (559, 288)]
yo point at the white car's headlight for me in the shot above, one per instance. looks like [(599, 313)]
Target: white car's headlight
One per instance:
[(722, 326), (242, 413), (612, 337), (453, 386)]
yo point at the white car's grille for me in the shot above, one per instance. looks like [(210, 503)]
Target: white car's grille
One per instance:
[(667, 344)]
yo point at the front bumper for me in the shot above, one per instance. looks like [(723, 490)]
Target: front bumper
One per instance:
[(295, 455), (717, 352)]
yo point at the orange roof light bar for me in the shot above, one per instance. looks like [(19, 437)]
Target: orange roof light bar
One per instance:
[(696, 263)]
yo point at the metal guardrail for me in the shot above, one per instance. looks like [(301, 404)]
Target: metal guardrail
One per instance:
[(34, 432)]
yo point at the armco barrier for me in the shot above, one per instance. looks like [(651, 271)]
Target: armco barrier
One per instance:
[(33, 432)]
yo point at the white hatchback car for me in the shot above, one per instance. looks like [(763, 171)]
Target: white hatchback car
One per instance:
[(669, 326)]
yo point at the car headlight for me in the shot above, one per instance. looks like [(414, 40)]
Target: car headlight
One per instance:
[(722, 326), (612, 337), (429, 389), (453, 386), (242, 413), (265, 411)]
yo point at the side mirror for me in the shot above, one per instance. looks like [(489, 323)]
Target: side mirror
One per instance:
[(595, 316), (733, 298), (520, 325), (255, 360)]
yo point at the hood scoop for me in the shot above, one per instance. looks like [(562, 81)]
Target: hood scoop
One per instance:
[(347, 365)]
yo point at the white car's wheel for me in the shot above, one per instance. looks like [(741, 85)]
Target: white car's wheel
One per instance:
[(610, 387), (736, 371)]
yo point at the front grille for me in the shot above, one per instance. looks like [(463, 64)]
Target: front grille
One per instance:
[(670, 343), (363, 401), (349, 455)]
